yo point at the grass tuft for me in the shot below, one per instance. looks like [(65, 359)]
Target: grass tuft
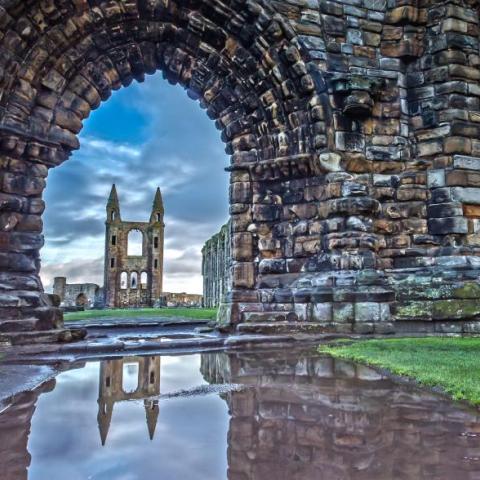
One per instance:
[(194, 313), (453, 364)]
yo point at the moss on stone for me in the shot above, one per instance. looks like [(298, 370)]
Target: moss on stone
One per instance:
[(467, 290)]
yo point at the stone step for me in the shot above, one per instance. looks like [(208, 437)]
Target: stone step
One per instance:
[(271, 328), (21, 325), (61, 335)]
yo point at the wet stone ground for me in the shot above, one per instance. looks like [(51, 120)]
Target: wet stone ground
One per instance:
[(282, 415)]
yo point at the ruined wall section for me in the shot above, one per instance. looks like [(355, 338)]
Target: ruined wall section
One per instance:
[(383, 235), (216, 267), (84, 295), (133, 280)]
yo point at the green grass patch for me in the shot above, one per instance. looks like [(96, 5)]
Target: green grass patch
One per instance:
[(194, 313), (452, 364)]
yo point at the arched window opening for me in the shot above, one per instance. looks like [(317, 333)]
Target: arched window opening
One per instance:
[(107, 382), (81, 300), (112, 215), (155, 242), (152, 378), (112, 263), (130, 377), (159, 217), (135, 243), (114, 240), (155, 264), (144, 280), (123, 280), (134, 280)]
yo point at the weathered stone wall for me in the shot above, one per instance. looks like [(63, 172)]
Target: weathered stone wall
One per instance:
[(85, 295), (353, 130), (169, 299), (123, 272), (216, 267)]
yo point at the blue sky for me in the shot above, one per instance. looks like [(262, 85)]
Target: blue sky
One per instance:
[(145, 135)]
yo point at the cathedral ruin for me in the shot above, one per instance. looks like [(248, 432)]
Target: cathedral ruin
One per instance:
[(354, 134), (131, 278)]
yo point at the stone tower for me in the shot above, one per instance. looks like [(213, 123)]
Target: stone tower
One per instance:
[(133, 280)]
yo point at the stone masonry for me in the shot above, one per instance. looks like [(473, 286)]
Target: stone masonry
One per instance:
[(82, 295), (354, 133), (216, 263), (180, 299), (133, 280)]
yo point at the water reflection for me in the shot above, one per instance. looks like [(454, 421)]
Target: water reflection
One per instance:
[(302, 417), (144, 382)]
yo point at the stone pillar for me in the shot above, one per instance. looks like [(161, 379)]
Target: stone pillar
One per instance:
[(24, 307)]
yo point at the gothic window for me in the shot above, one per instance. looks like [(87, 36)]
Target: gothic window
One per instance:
[(155, 263), (114, 239), (155, 242), (112, 262), (130, 378), (143, 280), (159, 217), (134, 280), (135, 243), (123, 280), (112, 215)]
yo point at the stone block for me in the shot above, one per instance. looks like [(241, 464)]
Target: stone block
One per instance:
[(466, 195), (442, 226), (436, 178), (242, 246), (367, 312), (343, 312), (463, 178), (322, 312), (455, 309), (466, 163), (416, 310), (243, 275), (364, 328), (471, 211)]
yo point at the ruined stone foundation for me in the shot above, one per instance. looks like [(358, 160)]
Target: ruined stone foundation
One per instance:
[(353, 129)]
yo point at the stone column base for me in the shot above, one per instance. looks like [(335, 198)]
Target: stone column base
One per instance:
[(366, 302)]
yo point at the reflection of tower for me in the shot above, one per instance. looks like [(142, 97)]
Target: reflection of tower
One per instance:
[(112, 389)]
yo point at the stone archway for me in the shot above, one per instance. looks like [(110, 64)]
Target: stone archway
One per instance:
[(81, 301), (352, 186), (239, 59)]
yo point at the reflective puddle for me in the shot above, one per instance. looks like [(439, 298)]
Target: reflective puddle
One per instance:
[(265, 415)]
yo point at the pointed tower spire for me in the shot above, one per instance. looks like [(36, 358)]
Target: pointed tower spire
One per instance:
[(104, 418), (157, 208), (113, 205), (151, 411)]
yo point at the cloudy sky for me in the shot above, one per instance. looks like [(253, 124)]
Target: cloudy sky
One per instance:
[(146, 135)]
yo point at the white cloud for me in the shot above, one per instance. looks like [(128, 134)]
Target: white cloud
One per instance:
[(180, 151)]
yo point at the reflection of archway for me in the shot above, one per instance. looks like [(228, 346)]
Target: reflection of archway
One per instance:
[(81, 300), (305, 416)]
